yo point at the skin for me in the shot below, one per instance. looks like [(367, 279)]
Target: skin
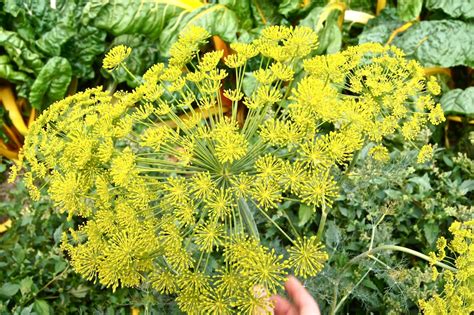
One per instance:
[(302, 303)]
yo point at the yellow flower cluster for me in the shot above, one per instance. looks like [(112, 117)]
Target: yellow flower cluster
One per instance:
[(173, 190), (458, 293)]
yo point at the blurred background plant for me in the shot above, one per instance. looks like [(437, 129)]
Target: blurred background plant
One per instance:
[(41, 39)]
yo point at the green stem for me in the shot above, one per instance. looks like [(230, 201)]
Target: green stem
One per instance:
[(322, 223), (400, 249)]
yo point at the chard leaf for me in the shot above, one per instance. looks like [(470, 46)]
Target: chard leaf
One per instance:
[(130, 17), (330, 36), (378, 29), (8, 72), (52, 82), (242, 10), (289, 7), (50, 43), (265, 12), (454, 8), (26, 59), (409, 9), (217, 19), (444, 43), (459, 102), (83, 49)]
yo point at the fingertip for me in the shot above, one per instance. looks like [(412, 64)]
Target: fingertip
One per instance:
[(281, 305)]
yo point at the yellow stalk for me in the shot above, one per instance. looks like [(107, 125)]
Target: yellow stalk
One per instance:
[(12, 135), (32, 118), (399, 30), (381, 4), (437, 70), (9, 154), (5, 225), (459, 119), (188, 5), (327, 10), (8, 100)]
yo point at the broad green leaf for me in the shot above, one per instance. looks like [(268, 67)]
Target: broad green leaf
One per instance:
[(409, 9), (83, 49), (50, 43), (9, 289), (25, 285), (80, 291), (466, 186), (217, 19), (41, 307), (329, 37), (431, 231), (305, 213), (131, 17), (459, 102), (444, 43), (361, 5), (52, 82), (62, 30), (265, 12), (289, 7), (454, 8), (16, 48), (378, 29), (242, 10), (8, 72)]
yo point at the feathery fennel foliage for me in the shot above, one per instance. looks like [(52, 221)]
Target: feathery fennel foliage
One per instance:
[(172, 184)]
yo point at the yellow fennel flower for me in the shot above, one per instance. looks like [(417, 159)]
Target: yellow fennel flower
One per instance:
[(115, 57), (425, 154), (307, 256)]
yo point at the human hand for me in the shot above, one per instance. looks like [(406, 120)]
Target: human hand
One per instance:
[(302, 302)]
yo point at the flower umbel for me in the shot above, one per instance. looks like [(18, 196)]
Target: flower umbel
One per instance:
[(177, 191), (115, 57)]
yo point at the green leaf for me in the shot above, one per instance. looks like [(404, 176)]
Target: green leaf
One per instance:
[(409, 9), (378, 29), (25, 285), (444, 43), (265, 12), (289, 7), (130, 17), (9, 289), (217, 19), (305, 213), (83, 49), (459, 102), (8, 72), (454, 8), (466, 186), (50, 43), (431, 231), (41, 307), (242, 10), (52, 82), (16, 48), (80, 291), (330, 36)]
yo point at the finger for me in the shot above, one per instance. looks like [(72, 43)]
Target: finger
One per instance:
[(301, 297), (282, 306)]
